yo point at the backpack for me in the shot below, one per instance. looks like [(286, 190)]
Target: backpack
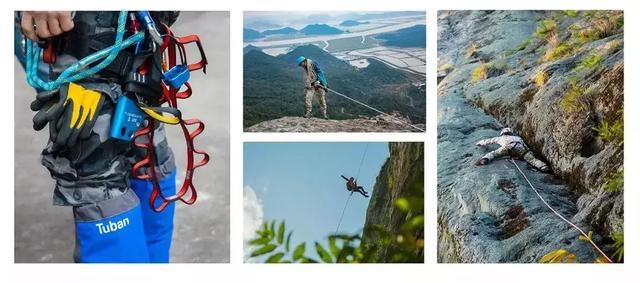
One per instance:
[(321, 77)]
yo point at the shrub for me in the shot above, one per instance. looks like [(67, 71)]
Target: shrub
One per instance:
[(614, 182), (472, 50), (486, 70), (556, 52), (590, 61), (611, 132), (570, 101), (545, 29), (570, 13), (618, 244), (540, 78)]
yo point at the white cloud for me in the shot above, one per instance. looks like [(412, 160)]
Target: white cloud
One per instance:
[(253, 214)]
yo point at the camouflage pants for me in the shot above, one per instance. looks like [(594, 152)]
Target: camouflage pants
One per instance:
[(321, 93), (104, 174), (516, 150)]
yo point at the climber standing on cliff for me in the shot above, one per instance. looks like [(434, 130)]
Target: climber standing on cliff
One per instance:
[(315, 83), (352, 186), (510, 145)]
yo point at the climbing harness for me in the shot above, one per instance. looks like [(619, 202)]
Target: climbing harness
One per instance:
[(588, 239), (351, 194), (374, 109), (137, 112)]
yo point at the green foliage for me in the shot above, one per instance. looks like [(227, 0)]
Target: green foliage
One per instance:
[(571, 100), (614, 182), (611, 132), (486, 70), (558, 256), (557, 52), (597, 25), (618, 244), (523, 44), (545, 29), (571, 13), (590, 61)]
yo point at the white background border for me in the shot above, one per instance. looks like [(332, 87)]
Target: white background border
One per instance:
[(236, 271)]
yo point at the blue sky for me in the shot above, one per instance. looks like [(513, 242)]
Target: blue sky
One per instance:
[(300, 182)]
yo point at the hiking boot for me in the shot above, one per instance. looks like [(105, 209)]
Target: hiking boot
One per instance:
[(482, 161), (325, 116), (307, 115)]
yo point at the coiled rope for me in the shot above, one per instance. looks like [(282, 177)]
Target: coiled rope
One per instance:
[(80, 70), (351, 194), (374, 109), (588, 239)]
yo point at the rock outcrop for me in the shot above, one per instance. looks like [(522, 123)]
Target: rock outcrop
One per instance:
[(380, 123), (557, 79), (401, 177)]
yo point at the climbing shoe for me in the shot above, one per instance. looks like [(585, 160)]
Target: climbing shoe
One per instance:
[(482, 161)]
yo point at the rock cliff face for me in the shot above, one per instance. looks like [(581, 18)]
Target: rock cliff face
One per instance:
[(380, 123), (557, 79), (401, 177)]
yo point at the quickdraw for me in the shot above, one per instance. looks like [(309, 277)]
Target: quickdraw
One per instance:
[(171, 93)]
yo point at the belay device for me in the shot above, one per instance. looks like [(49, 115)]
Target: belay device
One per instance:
[(156, 78)]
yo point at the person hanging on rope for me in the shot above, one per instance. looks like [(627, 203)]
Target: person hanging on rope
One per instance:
[(510, 145), (315, 84), (352, 186)]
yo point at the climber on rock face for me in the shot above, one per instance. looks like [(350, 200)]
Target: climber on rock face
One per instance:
[(315, 84), (510, 145), (352, 186)]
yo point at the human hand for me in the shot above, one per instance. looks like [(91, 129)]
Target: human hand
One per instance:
[(38, 25)]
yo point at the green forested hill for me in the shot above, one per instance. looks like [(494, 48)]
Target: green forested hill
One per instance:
[(273, 87)]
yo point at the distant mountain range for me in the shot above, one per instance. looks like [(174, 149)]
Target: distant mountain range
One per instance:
[(285, 30), (313, 29), (414, 36), (251, 34), (320, 29), (352, 23), (273, 87)]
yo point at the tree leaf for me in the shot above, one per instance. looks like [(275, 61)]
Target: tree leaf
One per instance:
[(288, 241), (259, 241), (265, 249), (558, 256), (323, 254), (298, 253), (281, 233), (402, 204), (333, 247), (275, 258)]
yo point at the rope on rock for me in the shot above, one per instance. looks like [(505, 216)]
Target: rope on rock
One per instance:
[(375, 109), (560, 216)]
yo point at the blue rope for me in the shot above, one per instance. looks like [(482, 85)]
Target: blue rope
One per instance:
[(79, 71)]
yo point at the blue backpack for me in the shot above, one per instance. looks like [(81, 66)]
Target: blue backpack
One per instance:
[(321, 77)]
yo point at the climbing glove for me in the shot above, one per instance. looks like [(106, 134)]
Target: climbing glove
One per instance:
[(71, 113)]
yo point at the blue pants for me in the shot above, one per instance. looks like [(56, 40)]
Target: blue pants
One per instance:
[(125, 228)]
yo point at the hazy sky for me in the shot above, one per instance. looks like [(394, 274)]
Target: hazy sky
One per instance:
[(301, 183)]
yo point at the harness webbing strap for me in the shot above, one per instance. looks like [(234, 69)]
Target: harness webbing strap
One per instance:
[(560, 215)]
